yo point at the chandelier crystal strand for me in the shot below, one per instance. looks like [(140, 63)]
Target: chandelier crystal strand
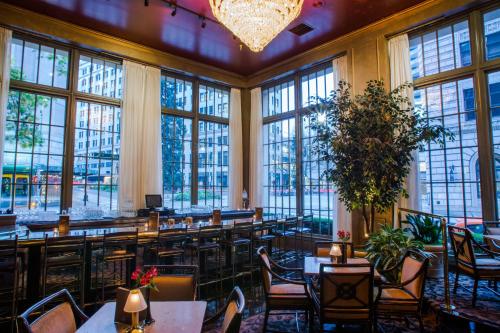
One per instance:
[(256, 22)]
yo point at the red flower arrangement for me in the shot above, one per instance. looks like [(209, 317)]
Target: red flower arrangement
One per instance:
[(343, 235), (145, 279)]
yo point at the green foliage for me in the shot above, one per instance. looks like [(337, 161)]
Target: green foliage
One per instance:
[(386, 247), (423, 228), (202, 195), (21, 106), (369, 141)]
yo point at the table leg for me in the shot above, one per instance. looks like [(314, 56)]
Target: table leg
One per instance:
[(34, 274)]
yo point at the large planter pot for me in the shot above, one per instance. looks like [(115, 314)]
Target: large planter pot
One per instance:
[(436, 268)]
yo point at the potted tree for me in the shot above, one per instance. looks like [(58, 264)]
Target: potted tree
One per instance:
[(369, 140)]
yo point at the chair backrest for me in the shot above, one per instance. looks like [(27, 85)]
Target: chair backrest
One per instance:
[(322, 248), (346, 292), (268, 226), (235, 304), (413, 273), (174, 283), (461, 241), (64, 317), (307, 221), (55, 246), (242, 229), (265, 268), (492, 228), (175, 235), (213, 232), (120, 239), (8, 259)]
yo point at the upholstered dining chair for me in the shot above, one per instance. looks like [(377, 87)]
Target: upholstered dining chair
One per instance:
[(492, 228), (322, 248), (232, 312), (486, 267), (287, 294), (405, 298), (65, 316), (174, 283), (345, 295)]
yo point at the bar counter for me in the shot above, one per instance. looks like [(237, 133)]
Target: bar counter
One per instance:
[(31, 242)]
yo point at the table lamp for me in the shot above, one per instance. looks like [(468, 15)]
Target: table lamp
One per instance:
[(135, 304), (335, 252)]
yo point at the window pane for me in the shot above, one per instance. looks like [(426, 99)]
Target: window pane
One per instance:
[(177, 165), (37, 63), (97, 151), (98, 76), (177, 94), (33, 153), (492, 34), (494, 103), (278, 99), (280, 167), (450, 183), (440, 50), (213, 164)]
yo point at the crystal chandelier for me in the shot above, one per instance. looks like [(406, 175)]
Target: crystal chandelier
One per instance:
[(256, 22)]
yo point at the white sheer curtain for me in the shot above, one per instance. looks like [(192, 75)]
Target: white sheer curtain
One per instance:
[(399, 57), (256, 149), (140, 156), (343, 215), (5, 40), (235, 152)]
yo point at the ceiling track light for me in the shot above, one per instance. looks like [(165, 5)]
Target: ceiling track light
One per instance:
[(146, 3), (203, 22), (174, 12)]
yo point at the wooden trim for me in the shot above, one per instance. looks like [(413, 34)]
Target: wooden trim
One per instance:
[(25, 21)]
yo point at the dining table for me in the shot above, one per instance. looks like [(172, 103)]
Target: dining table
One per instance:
[(169, 317), (312, 265)]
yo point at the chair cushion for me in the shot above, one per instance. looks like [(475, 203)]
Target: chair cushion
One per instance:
[(396, 300), (173, 288), (60, 319), (287, 290), (488, 267), (288, 296), (203, 246)]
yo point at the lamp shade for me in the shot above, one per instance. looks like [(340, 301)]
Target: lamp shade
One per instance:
[(135, 302), (335, 251)]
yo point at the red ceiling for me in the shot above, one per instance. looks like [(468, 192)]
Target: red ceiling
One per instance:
[(182, 35)]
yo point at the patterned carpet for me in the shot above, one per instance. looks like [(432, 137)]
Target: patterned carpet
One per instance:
[(487, 312)]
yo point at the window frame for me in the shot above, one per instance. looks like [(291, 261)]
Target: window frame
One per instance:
[(195, 117), (478, 71)]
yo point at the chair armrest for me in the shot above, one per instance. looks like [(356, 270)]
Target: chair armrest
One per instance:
[(487, 251), (215, 317)]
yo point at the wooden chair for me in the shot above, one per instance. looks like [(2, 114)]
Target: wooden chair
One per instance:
[(322, 248), (175, 283), (66, 316), (468, 263), (9, 277), (406, 297), (232, 312), (345, 295), (492, 228), (290, 294), (59, 254)]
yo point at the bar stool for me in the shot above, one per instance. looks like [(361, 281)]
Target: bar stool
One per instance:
[(240, 244), (118, 248), (304, 226), (207, 242), (265, 235), (170, 244), (287, 228), (9, 274), (59, 255)]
